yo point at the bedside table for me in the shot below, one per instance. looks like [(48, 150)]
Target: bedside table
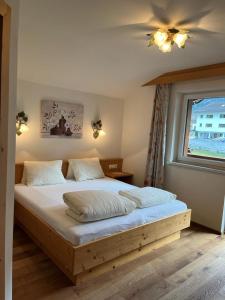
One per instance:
[(122, 176)]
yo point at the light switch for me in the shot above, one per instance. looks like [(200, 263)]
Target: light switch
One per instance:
[(113, 166)]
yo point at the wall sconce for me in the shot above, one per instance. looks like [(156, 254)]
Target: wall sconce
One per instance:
[(21, 123), (97, 129)]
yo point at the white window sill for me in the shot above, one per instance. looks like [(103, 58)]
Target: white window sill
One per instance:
[(196, 167)]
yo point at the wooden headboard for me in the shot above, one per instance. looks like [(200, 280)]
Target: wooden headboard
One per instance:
[(105, 163)]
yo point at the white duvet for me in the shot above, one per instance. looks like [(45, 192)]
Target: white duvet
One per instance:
[(47, 203)]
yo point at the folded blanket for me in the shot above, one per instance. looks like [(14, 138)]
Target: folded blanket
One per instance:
[(148, 196), (96, 205)]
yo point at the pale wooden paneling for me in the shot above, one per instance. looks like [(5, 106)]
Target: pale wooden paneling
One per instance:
[(96, 253), (5, 13), (189, 74), (126, 258), (60, 251)]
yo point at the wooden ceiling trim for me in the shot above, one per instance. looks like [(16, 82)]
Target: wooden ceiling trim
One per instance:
[(189, 74)]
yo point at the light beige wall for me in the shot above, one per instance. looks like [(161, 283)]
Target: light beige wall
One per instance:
[(30, 146), (203, 191), (136, 128), (11, 149)]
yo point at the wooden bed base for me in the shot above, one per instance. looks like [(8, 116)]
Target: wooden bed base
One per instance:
[(92, 259), (88, 260)]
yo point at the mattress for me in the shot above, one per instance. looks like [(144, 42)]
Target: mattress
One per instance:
[(46, 202)]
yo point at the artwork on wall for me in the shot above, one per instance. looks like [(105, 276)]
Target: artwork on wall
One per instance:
[(61, 119)]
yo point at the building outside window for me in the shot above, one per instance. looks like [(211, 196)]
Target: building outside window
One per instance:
[(201, 138)]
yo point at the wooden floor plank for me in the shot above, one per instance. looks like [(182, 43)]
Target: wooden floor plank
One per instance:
[(192, 268), (190, 279)]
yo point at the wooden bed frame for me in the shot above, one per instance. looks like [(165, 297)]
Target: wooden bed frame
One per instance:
[(88, 260)]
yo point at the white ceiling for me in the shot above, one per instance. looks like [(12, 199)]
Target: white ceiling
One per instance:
[(94, 46)]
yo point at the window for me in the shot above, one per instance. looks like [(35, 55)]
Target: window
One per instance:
[(201, 116), (206, 142), (222, 116)]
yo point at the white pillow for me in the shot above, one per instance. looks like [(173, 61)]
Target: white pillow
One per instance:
[(86, 168), (43, 172), (148, 196)]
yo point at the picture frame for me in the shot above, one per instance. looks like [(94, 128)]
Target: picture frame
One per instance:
[(61, 119)]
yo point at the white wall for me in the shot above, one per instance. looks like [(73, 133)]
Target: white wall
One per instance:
[(136, 128), (30, 146), (203, 191)]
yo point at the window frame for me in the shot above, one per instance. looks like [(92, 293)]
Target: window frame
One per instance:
[(180, 156)]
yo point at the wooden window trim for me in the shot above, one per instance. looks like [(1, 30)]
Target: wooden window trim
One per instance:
[(189, 74)]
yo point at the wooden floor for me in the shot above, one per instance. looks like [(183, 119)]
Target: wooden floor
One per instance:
[(191, 268)]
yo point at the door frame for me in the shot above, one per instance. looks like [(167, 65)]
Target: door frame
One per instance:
[(5, 224)]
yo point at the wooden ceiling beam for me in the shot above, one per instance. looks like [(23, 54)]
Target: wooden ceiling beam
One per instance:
[(189, 74)]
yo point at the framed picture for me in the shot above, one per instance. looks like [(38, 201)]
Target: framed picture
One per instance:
[(61, 119)]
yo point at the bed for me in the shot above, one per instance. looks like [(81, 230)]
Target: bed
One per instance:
[(86, 250)]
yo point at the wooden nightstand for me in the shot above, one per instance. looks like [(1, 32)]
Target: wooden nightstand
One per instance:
[(122, 176)]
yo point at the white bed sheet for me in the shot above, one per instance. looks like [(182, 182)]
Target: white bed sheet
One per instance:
[(47, 203)]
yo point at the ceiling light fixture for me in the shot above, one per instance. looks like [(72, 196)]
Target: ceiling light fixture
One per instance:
[(166, 38)]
